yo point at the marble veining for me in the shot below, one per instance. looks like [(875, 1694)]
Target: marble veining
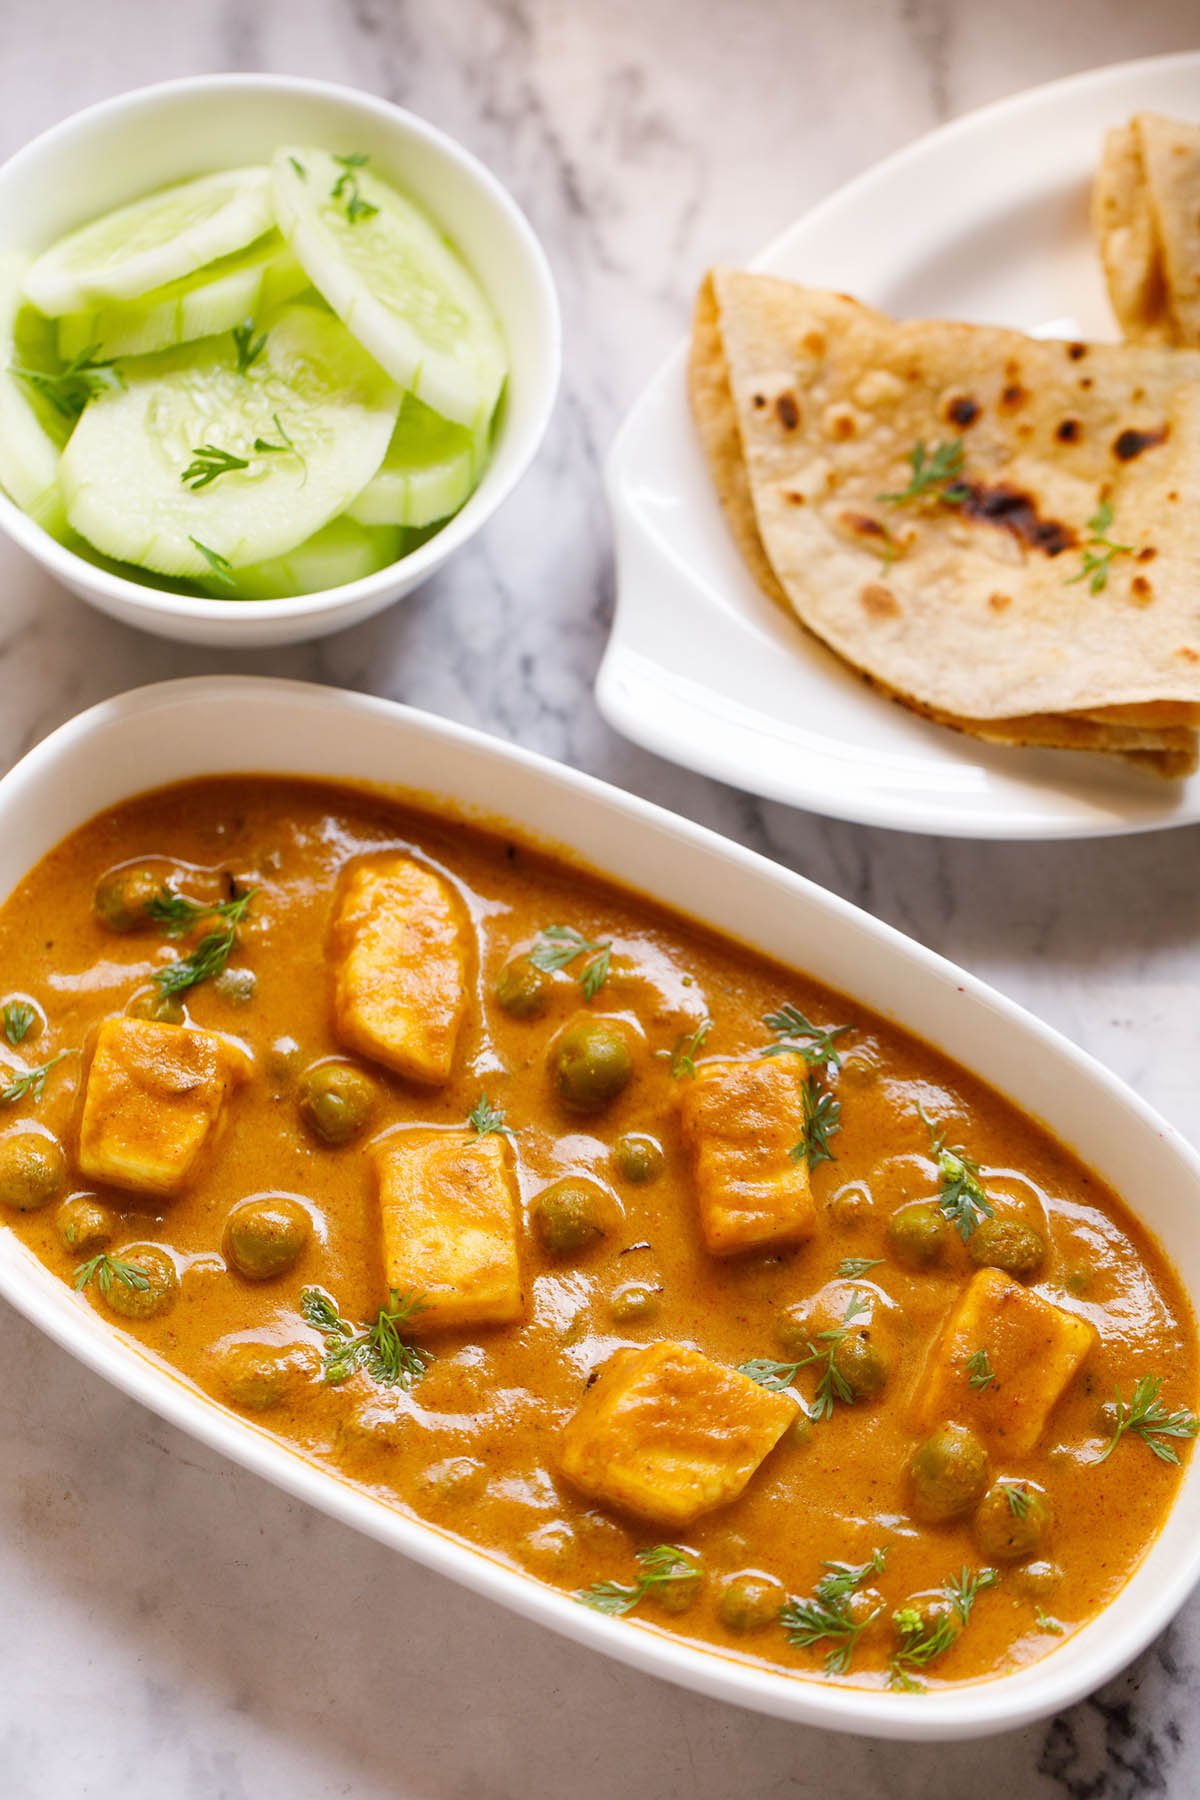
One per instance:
[(172, 1624)]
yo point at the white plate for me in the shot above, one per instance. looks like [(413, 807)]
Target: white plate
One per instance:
[(984, 220), (220, 725)]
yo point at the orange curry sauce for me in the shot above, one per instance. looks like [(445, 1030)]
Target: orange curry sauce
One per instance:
[(473, 1447)]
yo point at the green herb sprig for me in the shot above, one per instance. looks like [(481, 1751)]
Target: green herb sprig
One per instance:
[(484, 1118), (798, 1036), (84, 378), (935, 475), (853, 1268), (208, 463), (1144, 1414), (662, 1566), (820, 1351), (980, 1373), (1099, 551), (30, 1084), (827, 1615), (211, 953), (822, 1118), (248, 348), (105, 1270), (345, 188), (923, 1635), (18, 1021), (560, 945), (964, 1199), (222, 568), (377, 1349), (687, 1047), (176, 913)]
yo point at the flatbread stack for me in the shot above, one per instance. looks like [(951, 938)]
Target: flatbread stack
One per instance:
[(1146, 216), (999, 531)]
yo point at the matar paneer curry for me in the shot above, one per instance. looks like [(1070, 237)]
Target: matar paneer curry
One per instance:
[(632, 1258)]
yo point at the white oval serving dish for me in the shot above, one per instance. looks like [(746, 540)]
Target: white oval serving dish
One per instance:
[(153, 136), (221, 725)]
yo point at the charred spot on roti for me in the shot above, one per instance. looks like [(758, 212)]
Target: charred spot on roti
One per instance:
[(864, 525), (1148, 554), (962, 410), (1141, 589), (878, 601), (795, 497), (1187, 654), (1017, 513), (1086, 382), (999, 602), (813, 343), (1076, 351), (840, 422), (759, 400), (1131, 442), (787, 410), (1013, 395), (1068, 431)]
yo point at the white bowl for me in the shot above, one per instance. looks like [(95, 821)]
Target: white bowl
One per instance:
[(124, 147), (220, 725)]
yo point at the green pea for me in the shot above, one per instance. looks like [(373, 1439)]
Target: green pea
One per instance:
[(162, 1289), (918, 1234), (571, 1214), (456, 1478), (122, 898), (948, 1473), (336, 1101), (591, 1064), (638, 1157), (258, 1376), (265, 1235), (1013, 1520), (634, 1303), (237, 986), (84, 1225), (750, 1600), (1007, 1244), (861, 1364), (522, 989), (151, 1003), (33, 1168)]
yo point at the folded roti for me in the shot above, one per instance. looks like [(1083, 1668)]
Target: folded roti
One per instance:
[(1127, 234), (968, 611), (1170, 156)]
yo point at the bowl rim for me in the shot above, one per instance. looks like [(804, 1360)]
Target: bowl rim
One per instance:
[(972, 1709), (490, 494)]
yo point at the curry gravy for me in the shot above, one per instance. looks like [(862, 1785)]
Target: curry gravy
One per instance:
[(472, 1447)]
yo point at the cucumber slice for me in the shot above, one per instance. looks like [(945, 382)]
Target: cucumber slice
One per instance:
[(32, 431), (392, 278), (430, 468), (159, 239), (341, 551), (312, 390), (215, 298)]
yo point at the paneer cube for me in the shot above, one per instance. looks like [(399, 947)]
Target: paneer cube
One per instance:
[(742, 1121), (450, 1226), (666, 1434), (153, 1101), (399, 955), (1033, 1351)]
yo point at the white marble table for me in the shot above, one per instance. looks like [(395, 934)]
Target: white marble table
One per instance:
[(173, 1626)]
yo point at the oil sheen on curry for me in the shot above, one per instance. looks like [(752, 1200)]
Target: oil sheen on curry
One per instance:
[(628, 1256)]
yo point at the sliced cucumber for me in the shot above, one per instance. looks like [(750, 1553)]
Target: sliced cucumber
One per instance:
[(341, 551), (430, 468), (390, 275), (159, 239), (312, 392), (214, 298), (32, 432)]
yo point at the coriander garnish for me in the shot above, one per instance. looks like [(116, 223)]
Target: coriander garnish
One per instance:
[(819, 1048), (1099, 551), (559, 945), (220, 565), (82, 379), (963, 1198), (31, 1083), (1044, 1622), (345, 188), (484, 1118), (105, 1270), (283, 447), (821, 1349), (662, 1566), (853, 1268), (822, 1117), (924, 1634), (211, 953), (378, 1349), (687, 1047), (934, 475), (980, 1373), (18, 1018), (208, 462), (827, 1615), (248, 347), (1144, 1414)]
